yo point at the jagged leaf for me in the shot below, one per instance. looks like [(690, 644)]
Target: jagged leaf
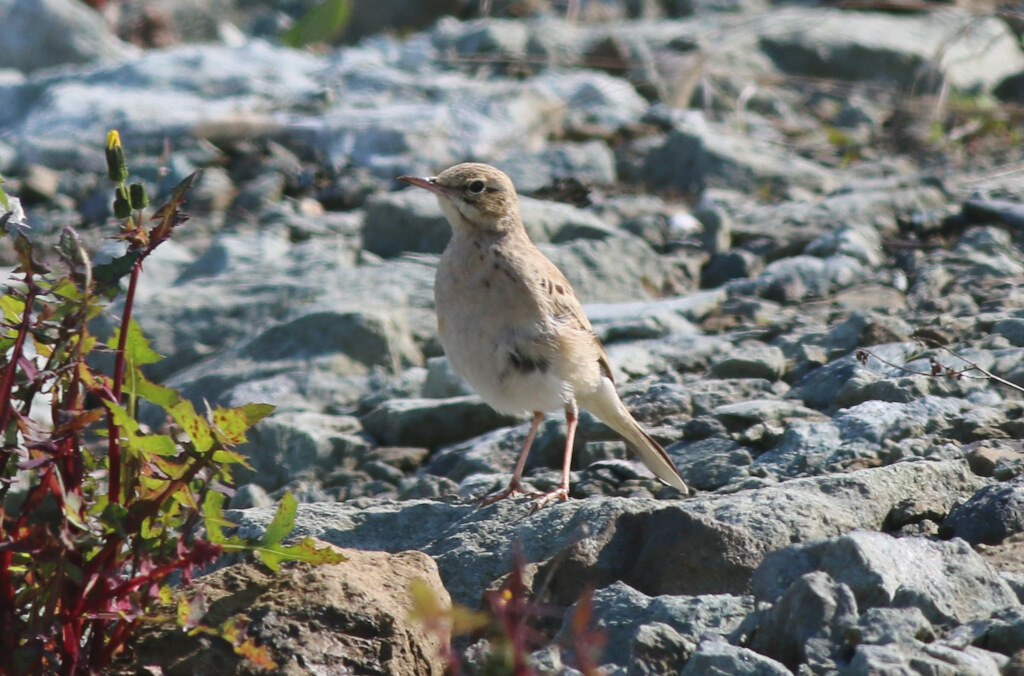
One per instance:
[(231, 424), (319, 24), (306, 551), (198, 430)]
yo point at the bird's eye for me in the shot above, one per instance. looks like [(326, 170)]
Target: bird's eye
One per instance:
[(477, 187)]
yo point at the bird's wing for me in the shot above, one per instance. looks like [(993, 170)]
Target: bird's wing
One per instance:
[(569, 331)]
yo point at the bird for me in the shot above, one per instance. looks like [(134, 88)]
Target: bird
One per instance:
[(511, 325)]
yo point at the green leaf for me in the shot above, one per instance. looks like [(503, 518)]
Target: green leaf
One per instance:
[(306, 551), (3, 197), (164, 397), (198, 430), (319, 24), (283, 522), (156, 444), (110, 273), (213, 517), (136, 347), (13, 307), (231, 424)]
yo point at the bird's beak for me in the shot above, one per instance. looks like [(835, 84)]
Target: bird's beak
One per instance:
[(427, 183)]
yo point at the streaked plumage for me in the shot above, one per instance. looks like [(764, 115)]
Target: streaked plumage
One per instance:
[(512, 326)]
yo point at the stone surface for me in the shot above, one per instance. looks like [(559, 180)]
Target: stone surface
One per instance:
[(354, 615)]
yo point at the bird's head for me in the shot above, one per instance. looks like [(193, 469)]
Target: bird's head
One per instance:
[(476, 198)]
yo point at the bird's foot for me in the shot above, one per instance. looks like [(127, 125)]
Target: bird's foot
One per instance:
[(514, 489), (545, 499)]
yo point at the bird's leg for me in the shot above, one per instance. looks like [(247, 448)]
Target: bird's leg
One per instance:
[(562, 492), (514, 487)]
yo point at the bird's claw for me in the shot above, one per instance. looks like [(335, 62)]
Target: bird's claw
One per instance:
[(514, 489), (545, 499)]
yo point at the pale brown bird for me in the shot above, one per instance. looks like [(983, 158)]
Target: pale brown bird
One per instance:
[(513, 328)]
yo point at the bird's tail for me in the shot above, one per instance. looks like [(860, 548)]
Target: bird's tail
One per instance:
[(607, 406)]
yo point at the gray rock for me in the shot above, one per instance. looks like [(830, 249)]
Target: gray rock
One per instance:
[(622, 612), (751, 361), (820, 387), (730, 265), (503, 38), (250, 495), (365, 338), (768, 411), (406, 221), (877, 47), (594, 99), (230, 254), (289, 446), (1012, 329), (718, 658), (590, 163), (922, 658), (814, 609), (557, 222), (991, 515), (432, 422), (616, 269), (706, 545), (442, 382), (697, 154), (798, 278), (658, 649), (949, 582), (46, 33), (881, 626), (710, 463), (862, 244)]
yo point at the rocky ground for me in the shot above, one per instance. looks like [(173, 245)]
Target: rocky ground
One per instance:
[(745, 195)]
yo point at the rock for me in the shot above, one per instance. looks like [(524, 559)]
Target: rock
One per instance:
[(988, 211), (432, 422), (617, 269), (229, 254), (767, 411), (714, 656), (814, 610), (313, 618), (697, 155), (504, 38), (406, 221), (917, 658), (594, 99), (1012, 329), (881, 626), (658, 649), (751, 361), (289, 446), (949, 582), (886, 55), (820, 387), (556, 222), (622, 612), (250, 495), (991, 515), (590, 163), (46, 33), (724, 267), (442, 382), (706, 545), (365, 338)]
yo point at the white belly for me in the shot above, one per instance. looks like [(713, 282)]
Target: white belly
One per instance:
[(476, 332)]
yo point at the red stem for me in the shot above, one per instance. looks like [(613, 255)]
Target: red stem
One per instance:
[(114, 433), (7, 609)]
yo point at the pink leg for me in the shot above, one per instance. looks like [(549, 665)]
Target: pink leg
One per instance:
[(562, 492), (514, 487)]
